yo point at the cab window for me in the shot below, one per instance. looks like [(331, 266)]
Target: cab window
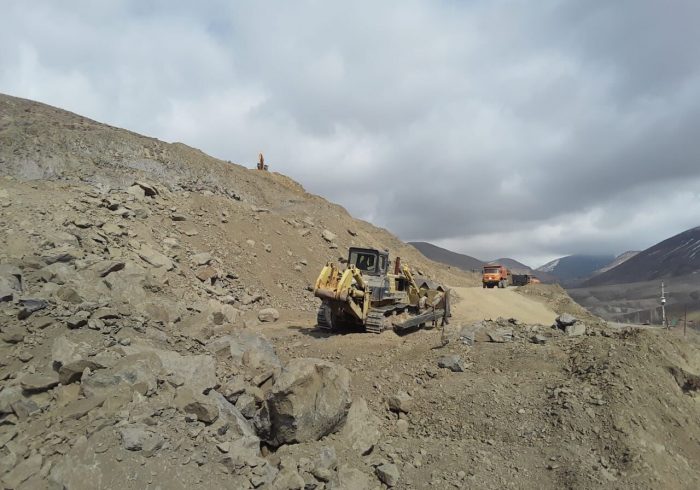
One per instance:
[(364, 261)]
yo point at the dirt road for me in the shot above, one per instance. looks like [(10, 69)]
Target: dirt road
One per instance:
[(472, 304)]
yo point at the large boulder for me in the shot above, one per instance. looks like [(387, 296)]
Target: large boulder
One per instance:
[(309, 399)]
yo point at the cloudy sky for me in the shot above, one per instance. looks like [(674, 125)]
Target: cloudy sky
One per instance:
[(494, 128)]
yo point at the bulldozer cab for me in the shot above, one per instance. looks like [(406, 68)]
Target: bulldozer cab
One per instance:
[(369, 261)]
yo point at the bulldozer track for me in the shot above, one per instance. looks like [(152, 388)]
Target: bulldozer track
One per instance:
[(376, 321), (323, 318)]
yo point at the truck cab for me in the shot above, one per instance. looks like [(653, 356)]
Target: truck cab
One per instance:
[(496, 275)]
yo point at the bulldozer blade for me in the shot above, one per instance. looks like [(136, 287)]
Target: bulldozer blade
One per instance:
[(426, 317)]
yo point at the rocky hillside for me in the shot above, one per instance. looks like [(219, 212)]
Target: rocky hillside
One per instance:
[(134, 277), (229, 206), (157, 331), (623, 257), (673, 257), (448, 257)]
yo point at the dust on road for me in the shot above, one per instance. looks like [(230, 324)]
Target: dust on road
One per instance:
[(472, 304)]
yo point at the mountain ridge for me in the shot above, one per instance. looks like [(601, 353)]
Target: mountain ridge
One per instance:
[(675, 256), (572, 268)]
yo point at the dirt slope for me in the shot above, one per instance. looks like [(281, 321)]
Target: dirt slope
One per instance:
[(227, 205), (476, 304), (602, 410)]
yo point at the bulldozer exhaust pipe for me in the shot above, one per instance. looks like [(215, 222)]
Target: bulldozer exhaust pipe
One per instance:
[(397, 266)]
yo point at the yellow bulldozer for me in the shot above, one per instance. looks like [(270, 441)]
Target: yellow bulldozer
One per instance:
[(366, 295)]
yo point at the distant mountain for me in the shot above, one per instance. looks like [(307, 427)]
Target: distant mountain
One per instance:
[(520, 268), (444, 256), (623, 257), (571, 268), (513, 265), (673, 257)]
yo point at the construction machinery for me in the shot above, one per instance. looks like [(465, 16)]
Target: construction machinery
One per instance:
[(368, 296), (524, 279), (496, 275)]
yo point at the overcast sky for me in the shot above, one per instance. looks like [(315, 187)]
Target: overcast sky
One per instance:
[(494, 128)]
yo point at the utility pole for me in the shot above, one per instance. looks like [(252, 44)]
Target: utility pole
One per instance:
[(663, 306), (685, 321)]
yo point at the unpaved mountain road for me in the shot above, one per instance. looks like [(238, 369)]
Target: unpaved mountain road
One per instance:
[(472, 304)]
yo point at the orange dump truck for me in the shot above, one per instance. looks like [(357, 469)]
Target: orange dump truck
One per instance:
[(496, 275)]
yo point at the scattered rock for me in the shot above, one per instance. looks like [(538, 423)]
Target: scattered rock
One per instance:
[(136, 191), (80, 408), (453, 362), (35, 383), (68, 295), (10, 283), (25, 469), (13, 334), (78, 320), (328, 235), (352, 479), (361, 429), (197, 372), (154, 258), (207, 274), (487, 331), (205, 409), (388, 474), (401, 402), (288, 479), (137, 371), (575, 330), (139, 437), (268, 315), (202, 258), (565, 320), (249, 299), (246, 348), (149, 189), (108, 266), (30, 306)]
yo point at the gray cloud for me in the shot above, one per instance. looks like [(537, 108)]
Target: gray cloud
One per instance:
[(530, 130)]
